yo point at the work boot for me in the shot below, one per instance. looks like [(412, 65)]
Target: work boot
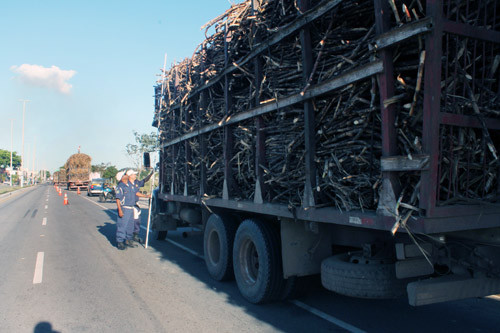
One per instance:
[(120, 246), (129, 243), (136, 238)]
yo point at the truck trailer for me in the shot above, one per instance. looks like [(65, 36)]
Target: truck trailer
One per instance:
[(357, 140), (78, 167)]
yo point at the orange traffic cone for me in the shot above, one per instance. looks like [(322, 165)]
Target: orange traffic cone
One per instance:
[(78, 190), (60, 192), (65, 202)]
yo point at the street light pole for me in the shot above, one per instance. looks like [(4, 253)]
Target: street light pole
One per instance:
[(11, 131), (22, 156), (33, 164)]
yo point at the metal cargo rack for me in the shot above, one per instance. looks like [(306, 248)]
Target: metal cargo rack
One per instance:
[(442, 24)]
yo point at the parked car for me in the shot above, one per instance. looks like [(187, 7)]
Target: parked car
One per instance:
[(95, 186)]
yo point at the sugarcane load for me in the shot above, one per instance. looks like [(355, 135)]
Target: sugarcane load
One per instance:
[(318, 126)]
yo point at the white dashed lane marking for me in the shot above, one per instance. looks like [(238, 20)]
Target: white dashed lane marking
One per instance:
[(44, 221), (37, 278)]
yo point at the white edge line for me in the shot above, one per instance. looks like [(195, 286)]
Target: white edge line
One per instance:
[(327, 317), (98, 204), (144, 228), (37, 278), (44, 221), (301, 305), (185, 248)]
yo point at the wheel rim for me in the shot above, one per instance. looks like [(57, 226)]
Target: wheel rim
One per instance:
[(213, 247), (249, 261)]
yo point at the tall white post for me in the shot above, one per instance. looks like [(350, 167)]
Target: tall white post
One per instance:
[(22, 155), (11, 143), (33, 165)]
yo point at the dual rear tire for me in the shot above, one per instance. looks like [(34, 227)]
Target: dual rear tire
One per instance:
[(218, 246), (251, 253)]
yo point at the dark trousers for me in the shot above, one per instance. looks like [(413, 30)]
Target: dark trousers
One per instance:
[(125, 225)]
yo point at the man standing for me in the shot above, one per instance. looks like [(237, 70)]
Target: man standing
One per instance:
[(125, 201), (136, 185)]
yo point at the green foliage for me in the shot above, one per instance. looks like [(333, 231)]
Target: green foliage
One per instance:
[(110, 172), (100, 167), (5, 159), (143, 143), (47, 174)]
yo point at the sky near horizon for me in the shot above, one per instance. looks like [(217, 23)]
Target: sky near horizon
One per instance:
[(88, 69)]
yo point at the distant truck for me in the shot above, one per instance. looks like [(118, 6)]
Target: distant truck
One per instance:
[(78, 167), (357, 140), (60, 178)]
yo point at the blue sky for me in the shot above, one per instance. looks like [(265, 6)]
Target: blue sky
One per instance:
[(107, 55)]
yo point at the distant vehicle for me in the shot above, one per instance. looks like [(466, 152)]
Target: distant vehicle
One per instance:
[(96, 186), (107, 194)]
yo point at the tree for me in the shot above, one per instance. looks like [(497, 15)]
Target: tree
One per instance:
[(5, 159), (143, 143), (110, 172), (100, 167)]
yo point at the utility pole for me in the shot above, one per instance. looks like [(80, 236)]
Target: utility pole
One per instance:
[(22, 155), (11, 131), (33, 165)]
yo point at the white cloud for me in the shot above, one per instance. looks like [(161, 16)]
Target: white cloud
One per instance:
[(47, 77)]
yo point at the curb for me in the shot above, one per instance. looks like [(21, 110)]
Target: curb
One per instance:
[(6, 194)]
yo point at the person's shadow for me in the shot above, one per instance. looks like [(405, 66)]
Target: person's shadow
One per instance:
[(108, 229), (44, 327)]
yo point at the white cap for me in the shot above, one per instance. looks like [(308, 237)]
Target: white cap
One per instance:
[(119, 175), (131, 172)]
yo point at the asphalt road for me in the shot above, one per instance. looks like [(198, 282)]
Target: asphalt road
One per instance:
[(61, 272)]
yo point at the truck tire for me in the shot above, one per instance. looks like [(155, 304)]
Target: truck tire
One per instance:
[(257, 262), (218, 242), (359, 278), (161, 235)]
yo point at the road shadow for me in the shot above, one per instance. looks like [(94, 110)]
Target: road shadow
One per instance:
[(367, 314), (281, 315), (44, 327), (108, 229)]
